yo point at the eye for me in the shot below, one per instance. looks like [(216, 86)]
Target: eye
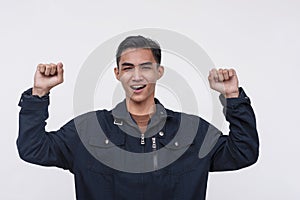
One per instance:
[(146, 67), (127, 68)]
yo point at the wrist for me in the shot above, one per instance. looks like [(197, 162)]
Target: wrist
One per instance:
[(232, 94), (39, 91)]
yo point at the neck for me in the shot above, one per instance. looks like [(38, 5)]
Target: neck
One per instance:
[(141, 108)]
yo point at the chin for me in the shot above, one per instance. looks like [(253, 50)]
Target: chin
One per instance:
[(138, 99), (141, 98)]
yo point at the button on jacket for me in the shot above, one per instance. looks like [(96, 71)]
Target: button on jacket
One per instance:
[(111, 159)]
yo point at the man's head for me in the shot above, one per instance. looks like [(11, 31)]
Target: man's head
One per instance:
[(138, 68), (136, 42)]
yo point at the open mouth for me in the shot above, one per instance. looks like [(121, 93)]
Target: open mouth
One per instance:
[(137, 87)]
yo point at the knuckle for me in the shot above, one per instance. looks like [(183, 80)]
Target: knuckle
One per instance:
[(48, 66), (41, 66)]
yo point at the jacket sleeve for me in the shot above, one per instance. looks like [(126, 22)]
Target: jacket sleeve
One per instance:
[(241, 147), (37, 146)]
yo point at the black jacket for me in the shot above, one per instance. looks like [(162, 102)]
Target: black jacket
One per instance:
[(110, 160)]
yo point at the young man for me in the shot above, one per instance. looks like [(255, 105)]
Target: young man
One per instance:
[(147, 151)]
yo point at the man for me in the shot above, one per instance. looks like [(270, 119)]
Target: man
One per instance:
[(140, 150)]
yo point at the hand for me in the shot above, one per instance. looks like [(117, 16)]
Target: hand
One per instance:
[(46, 77), (224, 81)]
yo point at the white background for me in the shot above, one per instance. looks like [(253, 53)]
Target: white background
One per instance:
[(259, 38)]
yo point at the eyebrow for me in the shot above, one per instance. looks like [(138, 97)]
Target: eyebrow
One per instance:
[(127, 64), (146, 63), (132, 65)]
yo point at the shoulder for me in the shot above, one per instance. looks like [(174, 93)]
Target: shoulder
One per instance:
[(85, 117), (194, 123), (187, 118)]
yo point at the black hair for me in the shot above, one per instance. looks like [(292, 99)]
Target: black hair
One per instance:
[(139, 42)]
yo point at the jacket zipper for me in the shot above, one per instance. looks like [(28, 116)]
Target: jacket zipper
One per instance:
[(154, 147)]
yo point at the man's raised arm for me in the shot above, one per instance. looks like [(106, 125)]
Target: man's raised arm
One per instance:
[(35, 145), (239, 149)]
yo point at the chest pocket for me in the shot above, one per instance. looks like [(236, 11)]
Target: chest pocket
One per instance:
[(188, 171), (180, 154), (102, 178), (105, 152)]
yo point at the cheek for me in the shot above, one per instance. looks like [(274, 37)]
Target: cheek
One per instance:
[(124, 78), (151, 78)]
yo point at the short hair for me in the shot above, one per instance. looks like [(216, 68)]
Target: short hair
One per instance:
[(139, 42)]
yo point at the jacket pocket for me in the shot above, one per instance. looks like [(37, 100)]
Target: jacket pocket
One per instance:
[(181, 155)]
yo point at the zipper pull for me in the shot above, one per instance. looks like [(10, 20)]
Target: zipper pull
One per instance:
[(143, 139), (154, 143)]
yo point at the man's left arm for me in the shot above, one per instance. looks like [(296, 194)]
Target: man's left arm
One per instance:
[(240, 148)]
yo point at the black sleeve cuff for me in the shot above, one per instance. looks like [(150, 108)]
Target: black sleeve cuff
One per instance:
[(33, 102), (234, 102)]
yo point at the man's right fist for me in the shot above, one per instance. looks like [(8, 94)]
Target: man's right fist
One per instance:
[(46, 77)]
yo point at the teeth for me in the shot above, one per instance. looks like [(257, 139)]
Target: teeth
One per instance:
[(137, 86)]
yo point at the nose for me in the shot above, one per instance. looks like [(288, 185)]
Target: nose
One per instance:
[(137, 75)]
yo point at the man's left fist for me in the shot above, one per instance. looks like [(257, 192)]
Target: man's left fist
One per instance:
[(224, 81)]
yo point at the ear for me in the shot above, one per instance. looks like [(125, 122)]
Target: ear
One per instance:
[(161, 71), (117, 73)]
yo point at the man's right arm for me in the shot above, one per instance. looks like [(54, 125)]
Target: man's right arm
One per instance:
[(35, 145)]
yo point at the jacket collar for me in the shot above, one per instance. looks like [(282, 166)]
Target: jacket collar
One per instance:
[(120, 112), (123, 119)]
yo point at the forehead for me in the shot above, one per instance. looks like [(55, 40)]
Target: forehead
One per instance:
[(137, 55)]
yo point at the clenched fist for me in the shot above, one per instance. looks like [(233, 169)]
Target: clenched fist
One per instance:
[(46, 77), (224, 81)]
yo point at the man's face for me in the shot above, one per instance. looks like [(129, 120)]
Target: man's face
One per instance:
[(138, 73)]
